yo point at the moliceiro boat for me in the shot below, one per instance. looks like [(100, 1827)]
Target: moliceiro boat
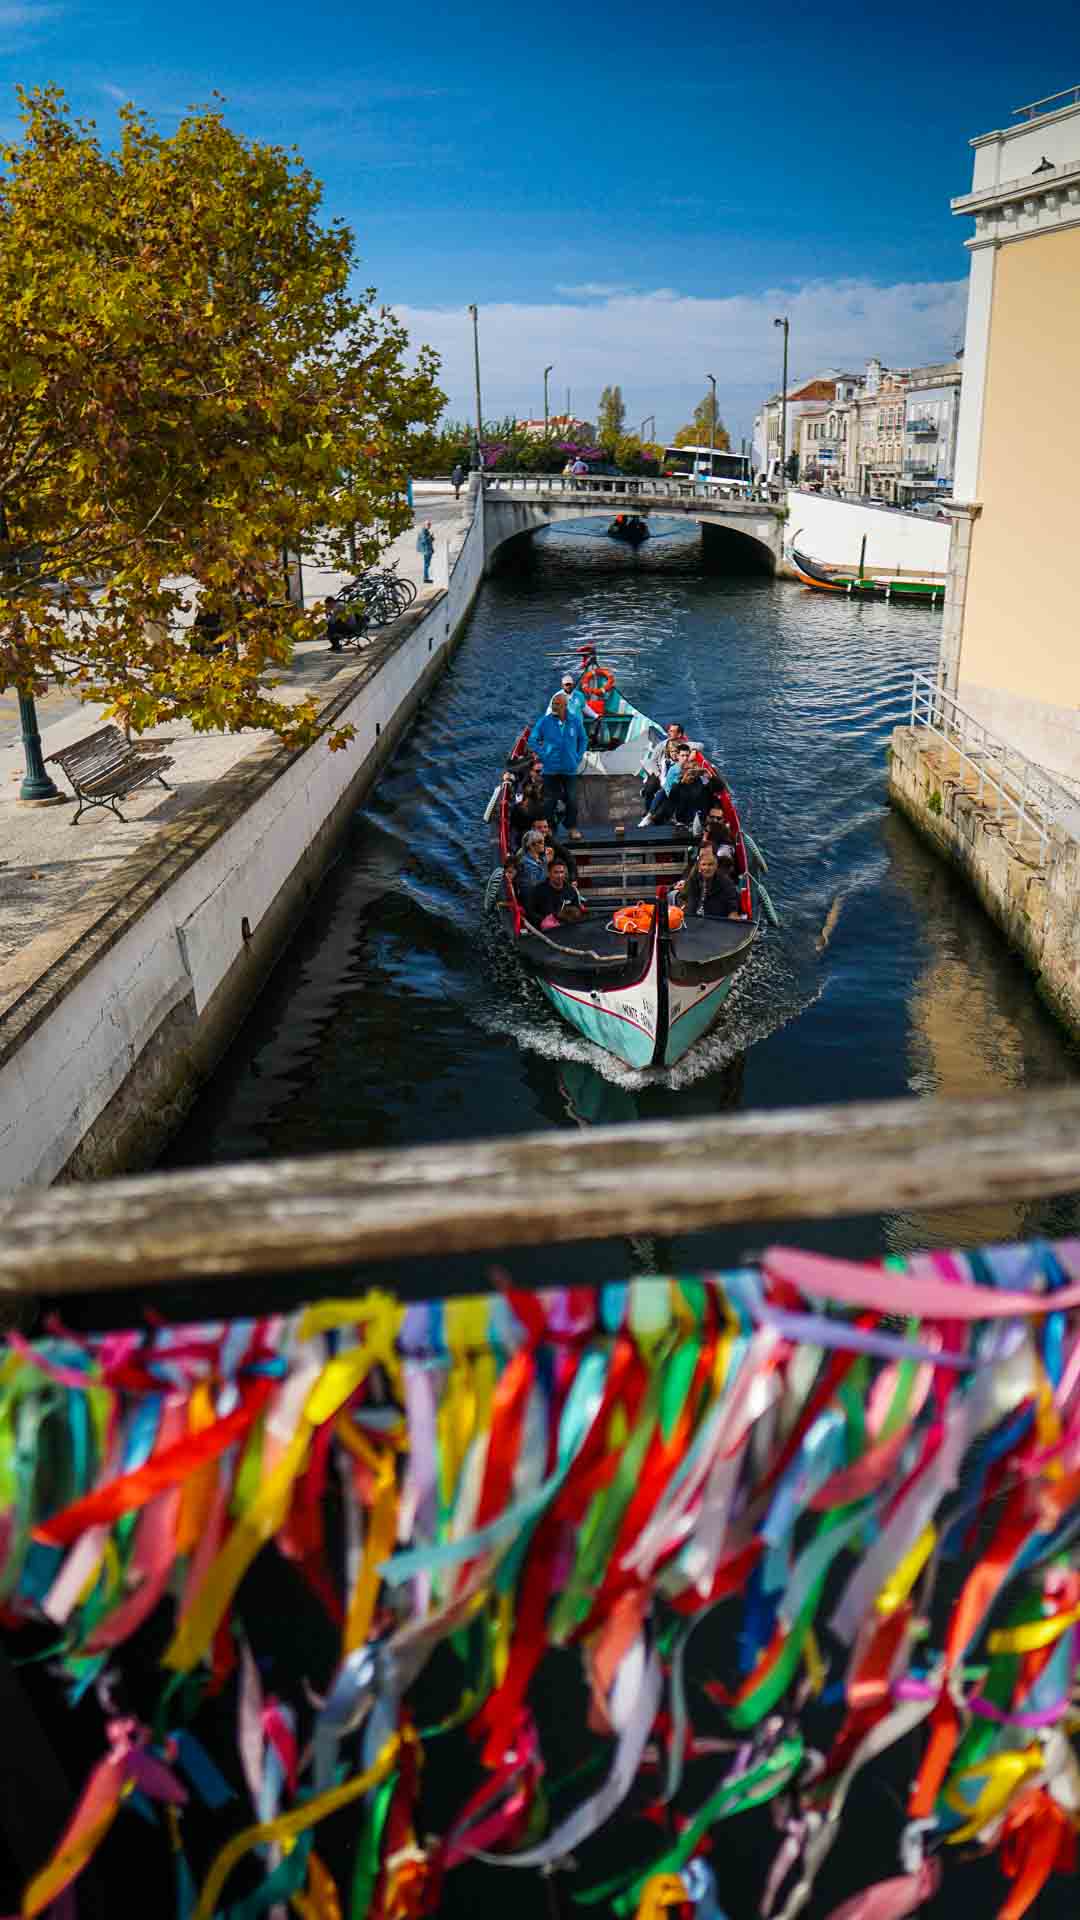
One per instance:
[(863, 586), (637, 976)]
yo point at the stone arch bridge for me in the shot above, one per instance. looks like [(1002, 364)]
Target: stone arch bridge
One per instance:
[(740, 536)]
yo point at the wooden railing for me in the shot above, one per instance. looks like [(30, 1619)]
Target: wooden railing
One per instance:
[(537, 1189)]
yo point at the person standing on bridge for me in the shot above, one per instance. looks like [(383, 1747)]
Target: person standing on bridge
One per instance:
[(559, 739), (456, 479), (425, 546)]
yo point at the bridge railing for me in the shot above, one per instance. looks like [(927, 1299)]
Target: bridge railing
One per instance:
[(343, 1210), (1026, 798), (617, 487)]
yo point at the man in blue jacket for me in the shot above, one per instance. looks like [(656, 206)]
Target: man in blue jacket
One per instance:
[(559, 739)]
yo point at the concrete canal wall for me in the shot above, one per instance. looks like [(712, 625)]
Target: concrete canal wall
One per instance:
[(1032, 896), (832, 531), (103, 1053)]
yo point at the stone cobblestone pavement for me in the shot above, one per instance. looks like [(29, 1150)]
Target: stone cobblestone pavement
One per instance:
[(56, 877)]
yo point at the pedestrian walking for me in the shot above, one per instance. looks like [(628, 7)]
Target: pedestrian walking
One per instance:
[(425, 545), (457, 478)]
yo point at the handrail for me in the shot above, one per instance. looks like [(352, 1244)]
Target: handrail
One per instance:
[(621, 486), (291, 1216), (1038, 802), (1071, 94)]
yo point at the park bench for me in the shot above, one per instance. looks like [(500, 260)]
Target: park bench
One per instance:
[(104, 768)]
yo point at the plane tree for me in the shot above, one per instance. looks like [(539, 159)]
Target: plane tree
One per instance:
[(190, 388)]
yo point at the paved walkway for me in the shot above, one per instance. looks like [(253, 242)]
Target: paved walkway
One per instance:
[(56, 877)]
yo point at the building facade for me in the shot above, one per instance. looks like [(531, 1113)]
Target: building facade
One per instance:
[(932, 412), (808, 397), (1009, 647)]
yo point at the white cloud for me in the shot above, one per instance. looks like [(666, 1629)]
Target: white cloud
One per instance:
[(660, 345), (595, 290)]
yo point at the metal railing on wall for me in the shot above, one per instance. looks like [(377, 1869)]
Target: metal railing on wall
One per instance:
[(1026, 799)]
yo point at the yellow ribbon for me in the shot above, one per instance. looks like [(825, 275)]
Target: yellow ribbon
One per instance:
[(1034, 1634), (265, 1515), (198, 1489), (663, 1891), (1004, 1773), (378, 1545), (903, 1576), (287, 1826), (814, 1664)]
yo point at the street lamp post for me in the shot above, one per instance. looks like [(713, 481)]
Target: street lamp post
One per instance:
[(476, 367), (547, 370), (711, 378), (649, 421), (783, 408), (37, 789)]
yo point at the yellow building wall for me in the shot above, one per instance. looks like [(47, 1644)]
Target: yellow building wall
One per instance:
[(1020, 618)]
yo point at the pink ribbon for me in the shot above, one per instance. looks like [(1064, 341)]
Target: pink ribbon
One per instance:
[(858, 1285)]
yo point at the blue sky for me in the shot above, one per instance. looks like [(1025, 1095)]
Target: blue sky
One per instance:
[(628, 191)]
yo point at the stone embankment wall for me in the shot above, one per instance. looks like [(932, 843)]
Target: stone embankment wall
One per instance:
[(1035, 902), (103, 1054), (896, 543)]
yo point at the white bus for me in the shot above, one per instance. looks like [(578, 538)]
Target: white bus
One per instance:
[(720, 472)]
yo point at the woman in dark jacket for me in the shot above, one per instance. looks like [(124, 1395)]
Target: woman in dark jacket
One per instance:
[(709, 892)]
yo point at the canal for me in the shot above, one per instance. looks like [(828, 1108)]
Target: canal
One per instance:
[(396, 1015)]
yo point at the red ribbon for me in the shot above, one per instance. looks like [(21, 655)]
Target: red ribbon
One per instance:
[(172, 1465)]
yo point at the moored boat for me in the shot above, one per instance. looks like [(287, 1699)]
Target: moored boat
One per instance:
[(926, 593), (647, 988), (629, 527)]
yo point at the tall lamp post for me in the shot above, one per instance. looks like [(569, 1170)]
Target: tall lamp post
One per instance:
[(711, 378), (547, 370), (476, 368), (783, 408), (649, 421)]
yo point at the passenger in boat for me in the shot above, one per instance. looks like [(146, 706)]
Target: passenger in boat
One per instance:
[(529, 803), (559, 739), (659, 759), (557, 903), (532, 864), (554, 849), (709, 892), (679, 758), (718, 833), (685, 801)]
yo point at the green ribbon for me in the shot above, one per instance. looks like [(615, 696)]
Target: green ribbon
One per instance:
[(370, 1850), (750, 1789)]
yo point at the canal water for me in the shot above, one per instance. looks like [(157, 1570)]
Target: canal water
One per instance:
[(397, 1015)]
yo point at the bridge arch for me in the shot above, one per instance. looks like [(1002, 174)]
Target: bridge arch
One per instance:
[(739, 536)]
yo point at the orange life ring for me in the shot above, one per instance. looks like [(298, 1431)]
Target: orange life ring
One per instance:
[(591, 681), (639, 918)]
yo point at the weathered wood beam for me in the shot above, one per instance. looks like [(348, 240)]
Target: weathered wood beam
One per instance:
[(537, 1189)]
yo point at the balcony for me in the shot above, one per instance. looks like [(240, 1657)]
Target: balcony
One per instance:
[(922, 429), (920, 470)]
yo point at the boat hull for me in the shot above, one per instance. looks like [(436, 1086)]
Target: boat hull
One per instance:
[(654, 1020)]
